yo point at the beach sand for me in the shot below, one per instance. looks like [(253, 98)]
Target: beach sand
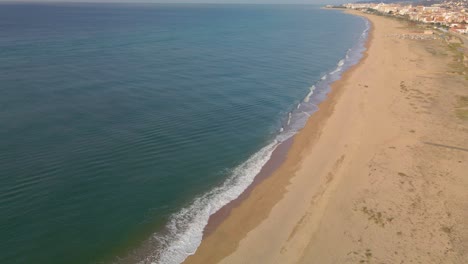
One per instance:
[(378, 175)]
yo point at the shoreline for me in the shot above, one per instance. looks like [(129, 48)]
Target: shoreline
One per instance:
[(280, 153), (283, 151), (276, 160), (159, 249), (248, 221)]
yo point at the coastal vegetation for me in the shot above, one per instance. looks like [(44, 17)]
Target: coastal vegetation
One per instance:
[(461, 108)]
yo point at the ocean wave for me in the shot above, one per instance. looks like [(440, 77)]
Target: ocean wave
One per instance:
[(298, 117), (185, 229), (307, 98), (341, 62)]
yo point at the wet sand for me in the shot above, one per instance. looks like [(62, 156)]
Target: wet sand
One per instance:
[(378, 175)]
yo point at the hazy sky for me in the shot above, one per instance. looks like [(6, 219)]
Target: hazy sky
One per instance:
[(200, 1)]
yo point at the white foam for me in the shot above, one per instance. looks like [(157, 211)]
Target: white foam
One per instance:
[(339, 66), (340, 63), (186, 227), (311, 92), (285, 135), (336, 70)]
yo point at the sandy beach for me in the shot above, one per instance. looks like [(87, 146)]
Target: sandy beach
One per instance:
[(378, 175)]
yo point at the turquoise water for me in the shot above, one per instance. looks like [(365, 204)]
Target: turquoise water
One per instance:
[(122, 123)]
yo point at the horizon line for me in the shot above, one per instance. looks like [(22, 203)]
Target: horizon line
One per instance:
[(152, 2)]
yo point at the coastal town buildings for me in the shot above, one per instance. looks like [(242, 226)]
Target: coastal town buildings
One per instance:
[(450, 14)]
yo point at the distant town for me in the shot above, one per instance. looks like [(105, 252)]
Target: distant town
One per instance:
[(452, 15)]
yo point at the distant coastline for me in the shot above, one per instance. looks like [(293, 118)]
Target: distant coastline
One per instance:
[(449, 15), (335, 6)]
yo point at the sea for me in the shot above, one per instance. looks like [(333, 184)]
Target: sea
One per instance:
[(123, 127)]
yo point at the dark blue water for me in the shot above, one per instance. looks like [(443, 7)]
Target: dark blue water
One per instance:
[(114, 117)]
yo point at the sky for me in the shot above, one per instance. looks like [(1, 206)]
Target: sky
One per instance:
[(200, 1)]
